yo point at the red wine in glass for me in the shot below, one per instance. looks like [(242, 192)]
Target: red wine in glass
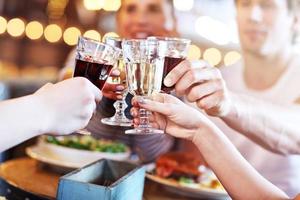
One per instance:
[(169, 64), (95, 72)]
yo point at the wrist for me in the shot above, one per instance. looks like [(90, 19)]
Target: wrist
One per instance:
[(200, 133), (41, 114), (231, 107)]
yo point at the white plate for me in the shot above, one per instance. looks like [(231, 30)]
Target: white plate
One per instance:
[(199, 192), (69, 157)]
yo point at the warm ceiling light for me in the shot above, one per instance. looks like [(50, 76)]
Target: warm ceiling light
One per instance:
[(15, 27), (34, 30), (71, 35), (194, 52), (112, 5), (212, 56), (53, 33), (92, 34), (3, 24)]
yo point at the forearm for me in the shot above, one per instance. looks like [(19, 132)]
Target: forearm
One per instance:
[(20, 119), (237, 176), (272, 126)]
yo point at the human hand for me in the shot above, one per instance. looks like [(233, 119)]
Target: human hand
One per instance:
[(202, 84), (67, 105), (171, 115), (112, 90)]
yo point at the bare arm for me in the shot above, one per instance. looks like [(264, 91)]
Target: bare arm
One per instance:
[(20, 119), (57, 109), (232, 169), (238, 177), (272, 126)]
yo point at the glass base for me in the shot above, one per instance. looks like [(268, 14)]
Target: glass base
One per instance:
[(144, 131), (113, 121)]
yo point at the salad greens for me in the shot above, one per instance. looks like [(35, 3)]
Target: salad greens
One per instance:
[(88, 143)]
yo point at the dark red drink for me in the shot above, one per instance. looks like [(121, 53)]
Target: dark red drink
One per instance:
[(97, 73), (169, 64)]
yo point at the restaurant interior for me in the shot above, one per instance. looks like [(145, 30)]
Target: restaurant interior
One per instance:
[(36, 39)]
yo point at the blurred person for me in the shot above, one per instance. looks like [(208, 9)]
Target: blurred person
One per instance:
[(48, 111), (257, 98), (135, 19), (233, 171)]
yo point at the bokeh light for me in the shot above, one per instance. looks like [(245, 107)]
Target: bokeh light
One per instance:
[(71, 35), (194, 52), (183, 5), (53, 33), (3, 24), (93, 4), (34, 30), (15, 27), (212, 56), (112, 5), (231, 57), (92, 34)]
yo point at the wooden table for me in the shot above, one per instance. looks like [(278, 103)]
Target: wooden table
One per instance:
[(31, 176)]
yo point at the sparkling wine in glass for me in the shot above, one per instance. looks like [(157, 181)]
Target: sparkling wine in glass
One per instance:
[(144, 62)]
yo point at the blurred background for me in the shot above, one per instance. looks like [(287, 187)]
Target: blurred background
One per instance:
[(37, 35)]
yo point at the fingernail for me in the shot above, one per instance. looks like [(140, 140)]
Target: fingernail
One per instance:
[(115, 72), (141, 100), (119, 97), (120, 87), (168, 82)]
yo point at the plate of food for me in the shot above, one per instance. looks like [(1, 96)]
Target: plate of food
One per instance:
[(76, 151), (186, 175)]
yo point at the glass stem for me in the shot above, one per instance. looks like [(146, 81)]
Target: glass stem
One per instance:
[(120, 106), (144, 118)]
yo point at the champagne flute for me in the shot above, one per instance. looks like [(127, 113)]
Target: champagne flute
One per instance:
[(94, 61), (119, 118), (176, 51), (144, 62)]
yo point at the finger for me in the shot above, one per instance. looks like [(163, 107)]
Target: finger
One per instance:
[(154, 106), (97, 93), (175, 74), (134, 111), (134, 102), (210, 101), (115, 73), (113, 95), (203, 89), (195, 76), (165, 98), (113, 87)]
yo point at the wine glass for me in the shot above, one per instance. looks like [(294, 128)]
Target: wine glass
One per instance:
[(176, 51), (144, 62), (119, 118), (94, 61)]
